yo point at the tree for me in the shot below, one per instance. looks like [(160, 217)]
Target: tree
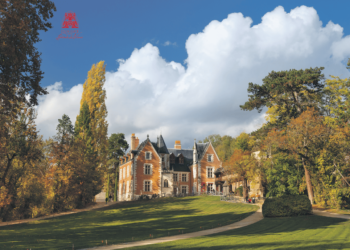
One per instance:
[(287, 93), (117, 146), (94, 95), (214, 139), (20, 154), (244, 142), (306, 137), (338, 104), (64, 129), (20, 73), (240, 167), (348, 67)]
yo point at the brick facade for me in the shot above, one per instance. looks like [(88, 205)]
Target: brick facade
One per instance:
[(149, 168)]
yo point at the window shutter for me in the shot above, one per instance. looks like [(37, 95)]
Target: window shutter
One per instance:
[(150, 188), (151, 169)]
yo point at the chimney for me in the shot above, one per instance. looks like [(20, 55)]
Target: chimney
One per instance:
[(132, 146), (136, 142), (177, 145)]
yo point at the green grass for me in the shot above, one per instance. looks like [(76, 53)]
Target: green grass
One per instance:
[(121, 222), (302, 233)]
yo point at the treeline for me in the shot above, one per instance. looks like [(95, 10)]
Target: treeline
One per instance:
[(304, 147), (39, 177)]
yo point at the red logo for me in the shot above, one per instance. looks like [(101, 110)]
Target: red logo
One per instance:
[(70, 21)]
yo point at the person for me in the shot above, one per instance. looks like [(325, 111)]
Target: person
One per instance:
[(106, 200), (110, 197)]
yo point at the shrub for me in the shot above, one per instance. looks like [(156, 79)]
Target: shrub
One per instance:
[(284, 206), (239, 191)]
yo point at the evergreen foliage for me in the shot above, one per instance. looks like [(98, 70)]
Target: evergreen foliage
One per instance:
[(285, 206)]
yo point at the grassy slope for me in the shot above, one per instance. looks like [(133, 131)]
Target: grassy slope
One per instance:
[(304, 232), (123, 221)]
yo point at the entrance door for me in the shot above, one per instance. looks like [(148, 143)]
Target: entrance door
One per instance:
[(175, 189)]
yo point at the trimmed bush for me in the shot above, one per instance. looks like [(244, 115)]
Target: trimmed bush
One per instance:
[(285, 206)]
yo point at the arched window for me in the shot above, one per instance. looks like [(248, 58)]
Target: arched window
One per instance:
[(166, 183)]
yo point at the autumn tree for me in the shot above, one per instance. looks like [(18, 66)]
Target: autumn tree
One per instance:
[(240, 167), (306, 136), (94, 95), (20, 73), (338, 101), (286, 94), (20, 149)]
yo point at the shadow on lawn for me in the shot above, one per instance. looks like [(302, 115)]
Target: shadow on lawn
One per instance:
[(315, 245), (88, 229)]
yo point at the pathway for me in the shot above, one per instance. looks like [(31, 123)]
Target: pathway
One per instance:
[(257, 216), (96, 206), (328, 214)]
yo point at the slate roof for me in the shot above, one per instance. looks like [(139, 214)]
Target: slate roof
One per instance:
[(201, 148), (187, 153), (161, 147)]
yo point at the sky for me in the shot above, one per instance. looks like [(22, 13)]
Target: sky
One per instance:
[(182, 68)]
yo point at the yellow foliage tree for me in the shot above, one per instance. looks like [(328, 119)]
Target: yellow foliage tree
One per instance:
[(95, 95)]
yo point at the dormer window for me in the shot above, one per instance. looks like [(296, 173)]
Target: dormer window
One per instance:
[(172, 159), (148, 155), (181, 160), (210, 158)]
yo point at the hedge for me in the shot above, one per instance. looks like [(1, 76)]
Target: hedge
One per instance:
[(285, 206)]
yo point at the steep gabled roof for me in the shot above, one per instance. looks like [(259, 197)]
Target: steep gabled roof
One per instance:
[(161, 145), (201, 149)]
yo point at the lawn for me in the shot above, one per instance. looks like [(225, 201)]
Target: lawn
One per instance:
[(304, 233), (121, 222)]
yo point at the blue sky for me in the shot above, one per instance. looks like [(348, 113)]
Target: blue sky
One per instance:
[(112, 30)]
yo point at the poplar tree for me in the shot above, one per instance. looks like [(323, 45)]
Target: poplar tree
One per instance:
[(94, 95)]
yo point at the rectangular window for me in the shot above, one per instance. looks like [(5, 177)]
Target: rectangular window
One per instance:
[(147, 186), (175, 177), (210, 172), (148, 155), (184, 177), (147, 169), (184, 189), (210, 158), (181, 160), (210, 187)]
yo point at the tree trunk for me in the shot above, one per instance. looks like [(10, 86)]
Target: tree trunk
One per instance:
[(245, 188), (310, 192)]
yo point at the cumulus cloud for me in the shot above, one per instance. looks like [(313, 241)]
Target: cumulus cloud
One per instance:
[(149, 95)]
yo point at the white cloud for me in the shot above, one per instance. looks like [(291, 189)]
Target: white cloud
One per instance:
[(168, 43), (148, 95)]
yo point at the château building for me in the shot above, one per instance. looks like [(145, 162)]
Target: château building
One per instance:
[(153, 168)]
